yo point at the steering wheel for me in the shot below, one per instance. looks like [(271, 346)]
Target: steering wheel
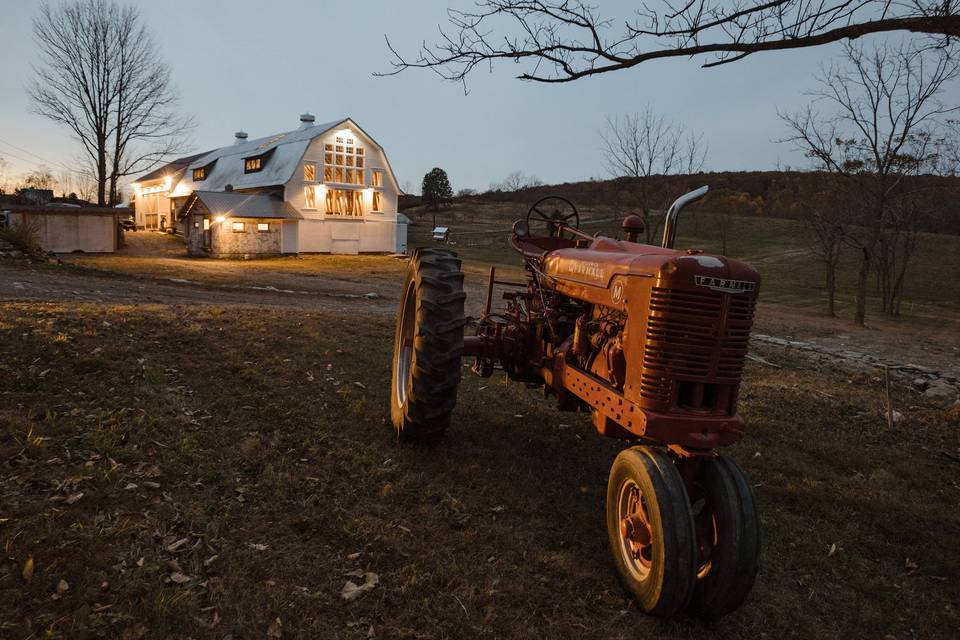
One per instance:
[(554, 211)]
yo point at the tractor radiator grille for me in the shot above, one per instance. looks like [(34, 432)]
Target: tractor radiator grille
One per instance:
[(694, 336)]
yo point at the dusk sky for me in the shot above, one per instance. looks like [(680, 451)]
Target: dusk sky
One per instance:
[(257, 66)]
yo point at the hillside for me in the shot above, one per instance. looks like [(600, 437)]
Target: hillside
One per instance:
[(771, 194)]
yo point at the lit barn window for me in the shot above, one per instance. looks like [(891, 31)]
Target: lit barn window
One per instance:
[(376, 201), (342, 202), (343, 162), (238, 226), (376, 177), (206, 224), (252, 165), (309, 197), (199, 174), (309, 172), (263, 226)]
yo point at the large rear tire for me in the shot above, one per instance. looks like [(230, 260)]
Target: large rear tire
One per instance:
[(650, 529), (428, 344), (728, 532)]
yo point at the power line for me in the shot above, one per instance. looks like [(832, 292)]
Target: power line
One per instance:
[(33, 162)]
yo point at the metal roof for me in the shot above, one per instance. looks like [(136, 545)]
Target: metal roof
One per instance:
[(285, 149), (231, 204), (174, 166)]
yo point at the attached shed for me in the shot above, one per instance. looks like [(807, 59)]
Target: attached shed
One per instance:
[(69, 229), (239, 225)]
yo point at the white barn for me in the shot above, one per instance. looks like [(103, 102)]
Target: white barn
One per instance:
[(339, 191)]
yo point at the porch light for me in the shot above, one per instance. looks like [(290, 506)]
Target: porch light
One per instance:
[(220, 218)]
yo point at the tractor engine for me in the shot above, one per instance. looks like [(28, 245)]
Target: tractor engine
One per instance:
[(597, 345)]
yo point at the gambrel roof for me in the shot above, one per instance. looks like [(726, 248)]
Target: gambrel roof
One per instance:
[(225, 166)]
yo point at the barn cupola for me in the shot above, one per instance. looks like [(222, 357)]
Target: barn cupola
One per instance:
[(306, 120), (240, 137)]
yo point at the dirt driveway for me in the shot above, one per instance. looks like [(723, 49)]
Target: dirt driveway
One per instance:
[(154, 268)]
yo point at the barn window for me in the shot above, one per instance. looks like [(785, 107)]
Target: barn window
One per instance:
[(206, 224), (263, 226), (238, 226), (252, 165), (376, 177), (376, 201), (309, 172), (342, 202), (309, 197), (199, 174), (343, 162)]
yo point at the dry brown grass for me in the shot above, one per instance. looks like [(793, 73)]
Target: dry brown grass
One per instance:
[(242, 429)]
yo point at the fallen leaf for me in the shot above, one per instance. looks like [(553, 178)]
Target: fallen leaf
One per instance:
[(275, 630), (152, 485), (131, 486), (256, 546), (63, 586), (28, 569), (352, 591), (356, 573), (353, 556), (179, 578), (74, 497), (178, 544), (833, 550), (209, 561)]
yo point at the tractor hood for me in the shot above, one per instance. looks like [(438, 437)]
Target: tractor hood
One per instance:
[(606, 258)]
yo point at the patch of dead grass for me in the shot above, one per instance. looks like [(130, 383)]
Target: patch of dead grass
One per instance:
[(231, 470)]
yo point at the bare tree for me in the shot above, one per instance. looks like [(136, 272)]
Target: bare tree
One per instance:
[(39, 178), (643, 145), (886, 125), (4, 175), (828, 219), (100, 75), (516, 181), (563, 40)]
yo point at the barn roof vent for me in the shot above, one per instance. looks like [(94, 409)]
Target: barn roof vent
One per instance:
[(241, 137), (306, 120)]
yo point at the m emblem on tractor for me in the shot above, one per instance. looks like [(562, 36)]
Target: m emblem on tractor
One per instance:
[(651, 342)]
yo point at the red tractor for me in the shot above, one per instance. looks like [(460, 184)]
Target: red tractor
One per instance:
[(651, 341)]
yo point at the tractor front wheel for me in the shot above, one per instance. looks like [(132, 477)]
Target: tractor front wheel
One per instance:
[(728, 534), (651, 530), (428, 344)]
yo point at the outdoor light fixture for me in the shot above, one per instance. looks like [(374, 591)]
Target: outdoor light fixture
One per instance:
[(220, 218)]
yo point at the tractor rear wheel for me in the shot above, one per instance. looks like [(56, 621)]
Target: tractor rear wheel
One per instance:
[(428, 344), (728, 535), (651, 530)]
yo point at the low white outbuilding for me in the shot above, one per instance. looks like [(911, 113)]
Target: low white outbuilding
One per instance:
[(70, 229)]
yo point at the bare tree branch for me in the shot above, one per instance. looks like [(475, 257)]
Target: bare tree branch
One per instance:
[(564, 40)]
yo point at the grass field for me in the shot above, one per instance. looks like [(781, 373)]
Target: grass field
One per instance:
[(208, 471), (779, 248)]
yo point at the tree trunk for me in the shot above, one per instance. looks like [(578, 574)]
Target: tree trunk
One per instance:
[(102, 174), (860, 315), (831, 288)]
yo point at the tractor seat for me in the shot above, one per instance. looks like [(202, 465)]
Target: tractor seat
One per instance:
[(535, 247)]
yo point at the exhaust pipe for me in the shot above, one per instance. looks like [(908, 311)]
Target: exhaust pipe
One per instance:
[(670, 221)]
